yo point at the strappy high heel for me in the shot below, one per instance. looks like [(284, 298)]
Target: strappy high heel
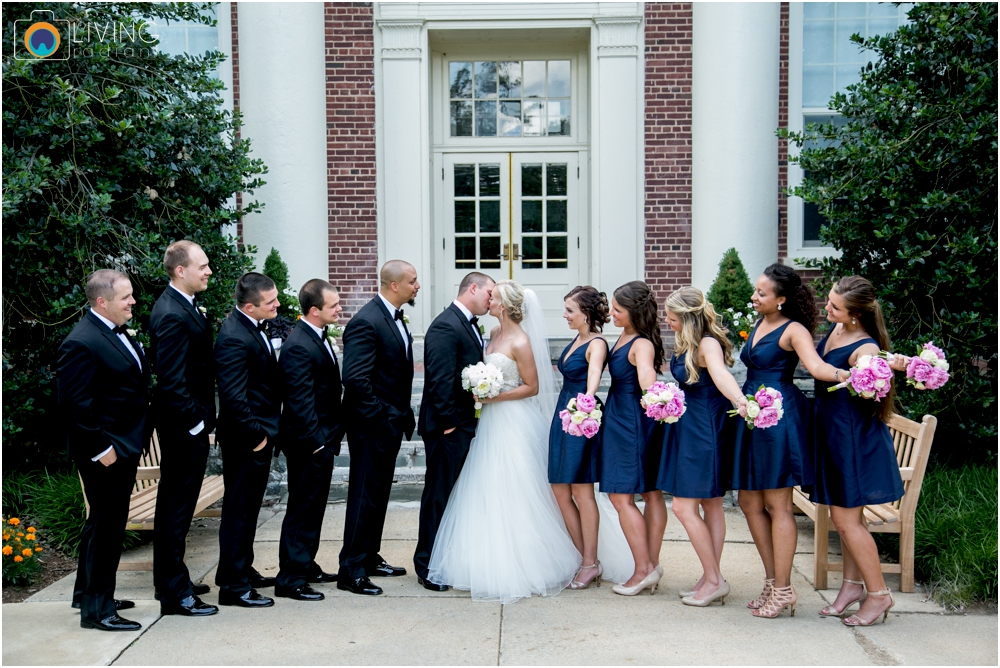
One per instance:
[(596, 580), (856, 620), (764, 595), (650, 580), (830, 611), (781, 597)]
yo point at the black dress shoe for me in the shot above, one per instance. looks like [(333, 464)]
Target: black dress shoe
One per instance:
[(384, 570), (300, 593), (258, 581), (112, 623), (119, 605), (192, 606), (250, 599), (433, 586), (200, 589), (359, 586), (321, 577)]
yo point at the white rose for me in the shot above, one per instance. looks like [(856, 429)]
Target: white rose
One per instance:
[(777, 405), (867, 395), (666, 396), (131, 332), (879, 384), (864, 362), (482, 387), (781, 413), (572, 404), (578, 417), (928, 356), (596, 413), (942, 364), (753, 409), (670, 420)]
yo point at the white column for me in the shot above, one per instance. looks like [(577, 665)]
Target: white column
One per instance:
[(734, 198), (283, 100), (617, 109)]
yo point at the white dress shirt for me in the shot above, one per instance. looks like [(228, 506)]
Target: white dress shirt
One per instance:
[(399, 323), (468, 316), (128, 347), (195, 430), (263, 334), (322, 335)]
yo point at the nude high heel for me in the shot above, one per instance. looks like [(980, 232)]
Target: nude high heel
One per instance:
[(856, 620), (764, 595), (721, 593), (596, 580), (830, 611), (650, 580), (781, 597)]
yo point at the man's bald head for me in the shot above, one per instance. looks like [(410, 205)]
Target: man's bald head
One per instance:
[(394, 271), (398, 282)]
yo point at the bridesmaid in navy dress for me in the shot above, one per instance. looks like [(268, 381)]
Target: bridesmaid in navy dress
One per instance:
[(697, 449), (627, 467), (573, 459), (855, 461), (769, 462)]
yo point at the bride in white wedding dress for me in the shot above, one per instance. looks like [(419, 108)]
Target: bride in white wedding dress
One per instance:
[(502, 536)]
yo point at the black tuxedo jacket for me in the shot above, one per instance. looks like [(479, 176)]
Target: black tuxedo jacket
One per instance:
[(310, 380), (181, 354), (249, 385), (103, 394), (378, 371), (451, 344)]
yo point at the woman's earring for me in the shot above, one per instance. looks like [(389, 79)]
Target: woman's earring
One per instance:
[(853, 321), (779, 307)]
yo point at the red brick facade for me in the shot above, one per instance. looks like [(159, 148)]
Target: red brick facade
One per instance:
[(350, 151), (668, 146), (783, 123), (235, 31)]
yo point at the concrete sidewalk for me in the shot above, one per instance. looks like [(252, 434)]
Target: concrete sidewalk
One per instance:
[(410, 625)]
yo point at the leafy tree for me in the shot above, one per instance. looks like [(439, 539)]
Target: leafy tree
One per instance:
[(277, 270), (108, 156), (908, 187), (732, 287)]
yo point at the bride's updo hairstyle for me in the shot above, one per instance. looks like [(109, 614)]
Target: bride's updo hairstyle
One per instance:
[(511, 294), (800, 302), (698, 320), (637, 298), (593, 304)]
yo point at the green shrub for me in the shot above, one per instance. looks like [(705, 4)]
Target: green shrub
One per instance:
[(276, 269), (908, 187), (730, 295)]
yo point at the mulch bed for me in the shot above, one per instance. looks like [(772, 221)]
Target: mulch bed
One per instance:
[(56, 566)]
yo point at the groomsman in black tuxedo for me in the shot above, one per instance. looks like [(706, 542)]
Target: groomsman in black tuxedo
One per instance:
[(103, 383), (447, 411), (184, 414), (249, 413), (311, 431), (378, 381)]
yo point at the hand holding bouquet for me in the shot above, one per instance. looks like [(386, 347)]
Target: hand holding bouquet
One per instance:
[(582, 416), (764, 408), (664, 402), (871, 378), (926, 371), (483, 380)]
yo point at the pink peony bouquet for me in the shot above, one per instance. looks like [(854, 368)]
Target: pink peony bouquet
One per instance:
[(582, 416), (764, 408), (664, 402), (926, 371), (871, 378)]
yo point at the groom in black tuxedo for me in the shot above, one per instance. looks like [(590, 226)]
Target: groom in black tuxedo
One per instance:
[(378, 381), (311, 431), (246, 368), (447, 411), (180, 337), (102, 384)]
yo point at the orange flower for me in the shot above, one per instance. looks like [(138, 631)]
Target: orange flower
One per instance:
[(30, 536), (13, 521), (744, 335), (18, 558), (20, 534), (31, 529), (8, 550), (38, 549), (26, 552), (6, 536)]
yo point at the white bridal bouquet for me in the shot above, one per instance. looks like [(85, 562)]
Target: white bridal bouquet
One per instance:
[(483, 380)]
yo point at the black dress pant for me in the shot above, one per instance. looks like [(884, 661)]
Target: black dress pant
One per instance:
[(182, 470), (373, 464), (308, 492), (245, 475), (446, 455), (108, 489)]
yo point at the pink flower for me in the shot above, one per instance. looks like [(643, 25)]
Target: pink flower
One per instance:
[(936, 379), (934, 349), (918, 370), (657, 387), (768, 417), (589, 427), (763, 397), (862, 380), (574, 430), (585, 403), (674, 408), (881, 369)]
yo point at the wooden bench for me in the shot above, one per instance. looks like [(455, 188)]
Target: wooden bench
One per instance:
[(912, 442), (142, 504)]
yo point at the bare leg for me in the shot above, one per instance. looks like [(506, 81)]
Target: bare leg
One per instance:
[(571, 515), (784, 533), (701, 539), (655, 516), (583, 495), (752, 505), (634, 528), (857, 541)]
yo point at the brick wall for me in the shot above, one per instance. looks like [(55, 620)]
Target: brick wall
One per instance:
[(350, 150), (783, 144), (235, 30)]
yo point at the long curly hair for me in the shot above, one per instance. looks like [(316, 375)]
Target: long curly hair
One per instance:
[(800, 302), (698, 320), (859, 298), (593, 304), (638, 299)]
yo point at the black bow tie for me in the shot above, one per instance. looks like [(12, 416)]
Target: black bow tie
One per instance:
[(261, 326), (399, 315), (474, 320), (326, 332), (120, 329)]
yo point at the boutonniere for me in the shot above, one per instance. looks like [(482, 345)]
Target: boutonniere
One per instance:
[(333, 332), (406, 319), (132, 332), (202, 310), (482, 330)]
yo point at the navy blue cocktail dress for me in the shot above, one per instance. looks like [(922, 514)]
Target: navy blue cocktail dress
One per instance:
[(855, 460), (779, 456), (626, 464), (696, 462), (572, 459)]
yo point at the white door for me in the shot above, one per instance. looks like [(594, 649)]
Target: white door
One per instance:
[(513, 215)]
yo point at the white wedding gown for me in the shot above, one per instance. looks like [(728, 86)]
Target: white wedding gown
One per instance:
[(502, 536)]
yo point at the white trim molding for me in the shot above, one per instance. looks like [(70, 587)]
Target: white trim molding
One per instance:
[(618, 36), (401, 38)]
